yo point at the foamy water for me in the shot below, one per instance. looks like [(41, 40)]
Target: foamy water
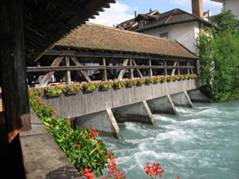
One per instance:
[(198, 143)]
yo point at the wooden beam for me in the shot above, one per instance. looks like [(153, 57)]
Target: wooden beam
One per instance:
[(68, 73), (174, 69), (120, 67), (150, 69), (83, 72), (122, 72), (165, 68), (137, 69), (178, 68), (131, 69), (105, 77), (112, 54), (46, 78), (12, 66)]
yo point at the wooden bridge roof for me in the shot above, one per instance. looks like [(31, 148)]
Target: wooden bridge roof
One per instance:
[(45, 21), (98, 37)]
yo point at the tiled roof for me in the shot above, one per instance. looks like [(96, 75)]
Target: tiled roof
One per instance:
[(97, 37), (175, 16)]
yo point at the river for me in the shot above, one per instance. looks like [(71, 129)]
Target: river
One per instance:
[(198, 143)]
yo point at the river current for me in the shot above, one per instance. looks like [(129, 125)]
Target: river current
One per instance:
[(198, 143)]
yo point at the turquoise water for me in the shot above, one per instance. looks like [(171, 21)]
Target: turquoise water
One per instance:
[(198, 143)]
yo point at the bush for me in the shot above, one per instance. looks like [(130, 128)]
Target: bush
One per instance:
[(129, 83), (53, 92), (104, 86), (139, 82), (81, 146), (72, 89), (117, 84), (148, 81), (89, 87)]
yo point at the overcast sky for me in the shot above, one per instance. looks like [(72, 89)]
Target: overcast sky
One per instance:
[(124, 9)]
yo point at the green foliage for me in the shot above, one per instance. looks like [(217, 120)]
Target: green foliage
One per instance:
[(89, 87), (104, 86), (72, 89), (148, 81), (80, 145), (219, 55), (129, 83), (117, 84), (53, 91), (139, 82)]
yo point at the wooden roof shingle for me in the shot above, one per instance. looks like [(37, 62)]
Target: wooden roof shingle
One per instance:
[(98, 37)]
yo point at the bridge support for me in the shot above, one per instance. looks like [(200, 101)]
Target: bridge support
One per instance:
[(162, 105), (197, 96), (103, 121), (182, 99), (138, 112)]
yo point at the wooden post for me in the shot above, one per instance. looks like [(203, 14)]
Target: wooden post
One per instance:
[(165, 68), (68, 73), (12, 66), (105, 77), (179, 68), (131, 70), (188, 71), (150, 70), (122, 72)]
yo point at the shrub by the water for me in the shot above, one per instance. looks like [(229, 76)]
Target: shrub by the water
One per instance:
[(81, 146), (219, 58)]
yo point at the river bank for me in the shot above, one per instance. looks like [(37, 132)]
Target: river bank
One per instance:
[(201, 143)]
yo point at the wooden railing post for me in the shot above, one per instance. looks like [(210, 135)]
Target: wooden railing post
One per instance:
[(131, 69), (165, 68), (68, 73), (179, 68), (105, 77), (150, 69)]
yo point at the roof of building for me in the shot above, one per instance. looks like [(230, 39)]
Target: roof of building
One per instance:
[(175, 16), (45, 22), (98, 37)]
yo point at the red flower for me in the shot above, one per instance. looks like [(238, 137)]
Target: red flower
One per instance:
[(88, 172), (154, 169), (94, 133)]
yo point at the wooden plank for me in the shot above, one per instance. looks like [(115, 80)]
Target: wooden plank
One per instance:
[(83, 72), (131, 70), (105, 77), (112, 54), (1, 102), (137, 69), (45, 80), (122, 72), (150, 69), (165, 68), (174, 69), (12, 66), (68, 73)]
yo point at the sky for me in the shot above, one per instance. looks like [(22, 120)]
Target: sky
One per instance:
[(124, 9)]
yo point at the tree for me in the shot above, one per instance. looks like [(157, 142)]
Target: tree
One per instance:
[(219, 55)]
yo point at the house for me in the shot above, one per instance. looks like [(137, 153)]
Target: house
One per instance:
[(175, 24), (232, 5)]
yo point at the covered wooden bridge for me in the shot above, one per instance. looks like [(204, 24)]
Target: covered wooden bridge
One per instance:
[(92, 53), (98, 53)]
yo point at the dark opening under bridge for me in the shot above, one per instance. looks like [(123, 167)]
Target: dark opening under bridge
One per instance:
[(96, 54)]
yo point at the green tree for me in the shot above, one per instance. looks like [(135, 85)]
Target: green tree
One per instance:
[(219, 55)]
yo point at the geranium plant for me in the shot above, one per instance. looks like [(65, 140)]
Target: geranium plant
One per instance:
[(53, 91), (89, 87), (154, 170)]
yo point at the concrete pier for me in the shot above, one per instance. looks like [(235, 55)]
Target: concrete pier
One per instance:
[(197, 96), (162, 105), (103, 121), (182, 99), (138, 112)]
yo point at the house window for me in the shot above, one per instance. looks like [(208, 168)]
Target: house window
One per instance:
[(164, 35), (142, 23)]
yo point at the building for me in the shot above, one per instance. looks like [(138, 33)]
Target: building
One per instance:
[(232, 5), (175, 25)]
